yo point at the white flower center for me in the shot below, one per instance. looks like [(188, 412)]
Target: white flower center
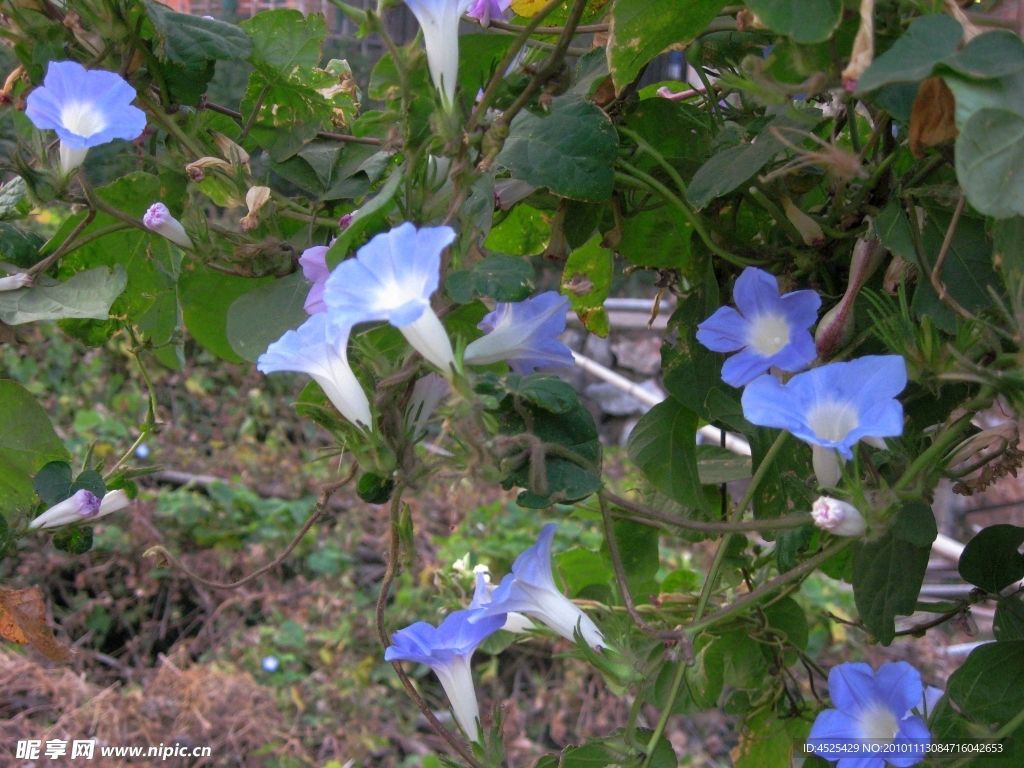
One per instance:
[(83, 119), (769, 334), (832, 421), (879, 723)]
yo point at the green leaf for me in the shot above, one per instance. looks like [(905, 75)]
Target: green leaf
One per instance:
[(500, 277), (193, 40), (806, 21), (887, 578), (91, 481), (658, 238), (767, 741), (87, 294), (731, 167), (524, 232), (18, 246), (927, 41), (479, 56), (27, 443), (743, 664), (547, 392), (790, 544), (1009, 620), (638, 551), (285, 41), (570, 150), (53, 482), (368, 220), (641, 29), (997, 54), (663, 446), (290, 114), (206, 296), (580, 568), (717, 465), (586, 280), (76, 540), (13, 203), (374, 489), (788, 617), (991, 560), (990, 684), (260, 317), (990, 162), (187, 84)]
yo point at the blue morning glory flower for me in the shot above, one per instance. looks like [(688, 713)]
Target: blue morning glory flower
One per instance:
[(768, 329), (525, 333), (270, 664), (485, 10), (530, 589), (314, 268), (875, 706), (439, 20), (321, 351), (447, 650), (832, 407), (392, 278), (86, 108)]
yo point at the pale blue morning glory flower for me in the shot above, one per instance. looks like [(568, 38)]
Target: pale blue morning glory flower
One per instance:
[(875, 706), (321, 351), (484, 594), (767, 330), (530, 589), (86, 108), (392, 278), (270, 664), (832, 407), (447, 650), (314, 268), (525, 333), (439, 20)]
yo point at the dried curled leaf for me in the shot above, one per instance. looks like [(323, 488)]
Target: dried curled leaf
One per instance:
[(23, 621), (932, 120)]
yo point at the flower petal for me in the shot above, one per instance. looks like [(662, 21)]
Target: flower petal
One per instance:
[(851, 686), (900, 686), (743, 367), (756, 293), (725, 331)]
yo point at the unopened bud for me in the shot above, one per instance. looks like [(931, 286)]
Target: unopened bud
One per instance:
[(14, 282), (809, 229), (837, 327), (840, 518), (345, 220), (863, 47), (255, 199), (159, 219)]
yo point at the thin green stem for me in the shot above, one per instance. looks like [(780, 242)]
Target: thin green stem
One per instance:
[(169, 125), (656, 186), (65, 247), (743, 602), (936, 449), (777, 524), (755, 481), (666, 713), (128, 454)]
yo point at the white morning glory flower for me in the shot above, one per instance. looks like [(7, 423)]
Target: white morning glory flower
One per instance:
[(832, 407), (86, 108), (768, 330), (838, 517), (447, 650), (16, 281), (530, 589), (314, 268), (82, 505), (525, 333), (392, 278), (159, 219), (439, 20), (484, 595), (322, 352), (873, 706)]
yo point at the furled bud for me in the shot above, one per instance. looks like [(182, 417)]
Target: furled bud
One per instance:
[(345, 220), (863, 47), (809, 229), (840, 518), (14, 282), (159, 219), (837, 328), (233, 153), (255, 199), (83, 505), (196, 170)]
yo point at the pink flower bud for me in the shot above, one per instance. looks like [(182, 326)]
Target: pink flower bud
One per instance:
[(837, 327), (839, 518), (159, 219)]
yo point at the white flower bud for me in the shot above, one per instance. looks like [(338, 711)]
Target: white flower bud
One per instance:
[(839, 518), (16, 281), (809, 229), (159, 219)]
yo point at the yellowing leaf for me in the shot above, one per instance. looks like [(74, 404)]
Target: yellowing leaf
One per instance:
[(23, 621), (528, 8)]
